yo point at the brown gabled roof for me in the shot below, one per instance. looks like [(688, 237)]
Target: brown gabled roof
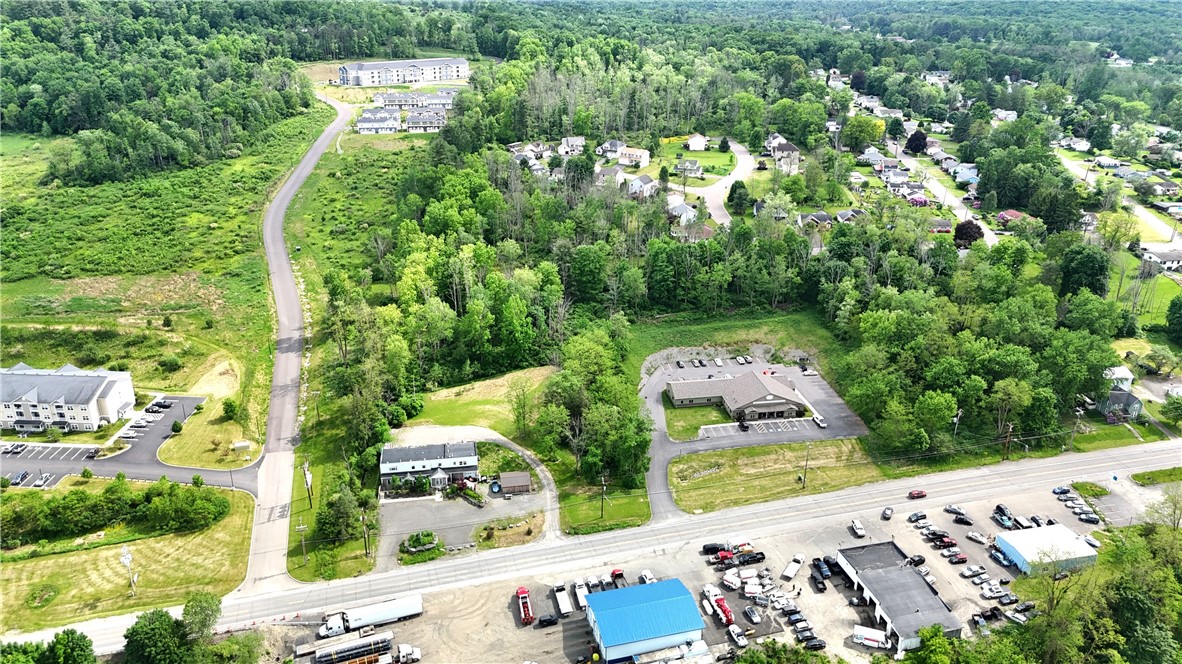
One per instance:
[(737, 392)]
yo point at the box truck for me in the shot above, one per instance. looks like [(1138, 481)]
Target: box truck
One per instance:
[(563, 599), (872, 638), (371, 615)]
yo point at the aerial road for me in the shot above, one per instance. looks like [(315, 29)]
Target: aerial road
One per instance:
[(677, 536)]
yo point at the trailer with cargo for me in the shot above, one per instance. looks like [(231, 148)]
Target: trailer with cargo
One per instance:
[(873, 638), (371, 615), (618, 578), (377, 644)]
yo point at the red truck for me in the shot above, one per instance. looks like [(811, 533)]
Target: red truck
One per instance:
[(527, 611), (618, 578), (724, 611)]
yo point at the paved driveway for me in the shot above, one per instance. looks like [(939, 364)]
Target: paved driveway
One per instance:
[(714, 196)]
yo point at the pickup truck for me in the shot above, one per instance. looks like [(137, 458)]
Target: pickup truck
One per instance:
[(618, 578), (822, 568), (793, 567), (720, 556), (753, 558)]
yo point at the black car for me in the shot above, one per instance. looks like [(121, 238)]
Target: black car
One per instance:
[(887, 513), (1051, 521), (92, 453), (831, 563), (153, 409), (1089, 518), (1004, 511), (548, 620), (751, 558), (963, 520), (743, 426), (934, 535), (815, 644), (1007, 599), (1037, 520), (680, 364), (916, 516), (818, 581), (1024, 607), (917, 560), (712, 548), (163, 404), (992, 613), (794, 617), (822, 568), (806, 635)]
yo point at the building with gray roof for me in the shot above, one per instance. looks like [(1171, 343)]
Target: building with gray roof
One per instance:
[(442, 463), (753, 395), (67, 398), (902, 600), (395, 72)]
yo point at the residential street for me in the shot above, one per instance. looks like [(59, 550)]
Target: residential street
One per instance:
[(675, 536), (714, 196), (940, 193), (1087, 174)]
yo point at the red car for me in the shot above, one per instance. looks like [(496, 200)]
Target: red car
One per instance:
[(946, 543), (917, 494), (958, 559)]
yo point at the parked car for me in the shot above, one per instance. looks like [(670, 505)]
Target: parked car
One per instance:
[(1092, 541), (548, 620), (20, 479), (1003, 521), (922, 523), (809, 372), (954, 509), (818, 581), (739, 359), (1072, 504), (1089, 518), (1067, 497), (917, 559), (749, 360), (753, 558), (974, 536), (1037, 520), (744, 427), (712, 548), (858, 528), (794, 618), (937, 534), (1060, 490), (1024, 607), (1000, 558), (948, 553), (19, 447), (916, 516), (962, 520), (993, 591), (680, 364), (127, 435), (647, 577), (887, 513), (822, 568), (165, 404), (917, 493), (815, 644), (958, 559), (806, 635), (736, 634), (805, 626), (7, 449), (982, 580), (946, 543), (752, 615), (92, 453), (859, 601), (153, 409), (1007, 599)]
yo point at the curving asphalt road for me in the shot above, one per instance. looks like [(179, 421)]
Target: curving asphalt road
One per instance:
[(267, 569), (714, 195), (1088, 174), (940, 193)]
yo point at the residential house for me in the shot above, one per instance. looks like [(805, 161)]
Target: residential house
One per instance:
[(938, 128), (571, 146), (1165, 188), (787, 157), (940, 225), (848, 216), (753, 395), (1008, 216), (778, 213), (1104, 161), (949, 163), (893, 175), (558, 174), (378, 121), (832, 126), (965, 173), (394, 72), (1168, 260), (609, 177), (772, 141), (66, 398), (442, 463), (1087, 221), (884, 112), (906, 190), (1128, 174), (689, 167), (697, 143), (933, 147), (939, 77), (539, 169), (642, 187), (440, 100), (611, 149), (402, 101), (1172, 208), (820, 219), (683, 214), (633, 157), (868, 102), (422, 122), (1077, 144), (538, 150), (909, 127), (1004, 116), (871, 156)]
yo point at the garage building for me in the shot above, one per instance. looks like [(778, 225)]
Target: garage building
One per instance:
[(513, 483), (753, 395), (641, 619), (1056, 546), (903, 602)]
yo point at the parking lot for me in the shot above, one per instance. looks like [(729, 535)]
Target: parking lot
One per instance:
[(138, 460), (793, 425), (488, 615)]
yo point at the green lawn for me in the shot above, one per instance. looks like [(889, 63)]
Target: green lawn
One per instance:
[(683, 423), (799, 330), (1089, 489), (93, 583), (207, 441), (73, 437), (712, 161), (482, 403), (711, 481), (1152, 296), (1163, 476), (1154, 410), (1108, 436)]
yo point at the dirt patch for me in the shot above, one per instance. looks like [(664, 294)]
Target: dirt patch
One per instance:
[(147, 292), (219, 382), (494, 388), (351, 141), (512, 531)]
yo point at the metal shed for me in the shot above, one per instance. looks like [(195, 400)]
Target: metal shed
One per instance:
[(516, 482)]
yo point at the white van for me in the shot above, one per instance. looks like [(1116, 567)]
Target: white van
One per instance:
[(858, 528), (820, 421), (873, 638), (717, 362)]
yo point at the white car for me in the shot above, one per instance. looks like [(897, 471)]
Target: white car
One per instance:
[(982, 580), (977, 537), (802, 626), (1016, 617), (930, 579), (739, 359), (992, 591), (41, 481), (971, 571), (647, 577), (1074, 504), (809, 372), (736, 633), (948, 553), (1092, 541), (923, 571), (922, 523)]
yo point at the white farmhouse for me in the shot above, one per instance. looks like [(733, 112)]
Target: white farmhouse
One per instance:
[(69, 398), (443, 463), (696, 143)]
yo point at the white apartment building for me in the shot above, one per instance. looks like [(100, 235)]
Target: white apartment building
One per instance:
[(69, 398), (379, 121), (394, 72)]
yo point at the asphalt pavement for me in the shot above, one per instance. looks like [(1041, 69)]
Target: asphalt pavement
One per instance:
[(714, 194), (679, 536)]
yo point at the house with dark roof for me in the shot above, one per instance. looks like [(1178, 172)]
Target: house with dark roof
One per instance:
[(819, 218), (610, 149), (643, 186), (1119, 405), (395, 72), (848, 216), (1168, 260), (787, 157), (689, 167), (378, 121), (753, 395), (67, 398), (442, 463), (609, 177), (422, 122), (940, 225)]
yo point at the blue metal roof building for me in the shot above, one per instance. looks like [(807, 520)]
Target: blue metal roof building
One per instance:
[(639, 619)]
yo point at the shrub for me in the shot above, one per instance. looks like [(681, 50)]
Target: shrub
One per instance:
[(87, 473), (167, 321), (230, 409), (170, 363), (177, 427), (53, 434)]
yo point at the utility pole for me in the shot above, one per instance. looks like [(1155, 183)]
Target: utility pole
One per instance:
[(365, 534), (303, 544), (805, 482), (1078, 413), (956, 422), (602, 493), (1006, 452)]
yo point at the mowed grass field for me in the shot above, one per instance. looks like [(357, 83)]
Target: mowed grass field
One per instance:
[(1163, 476), (1152, 295), (93, 584), (711, 481), (683, 423), (713, 162), (208, 438), (482, 403)]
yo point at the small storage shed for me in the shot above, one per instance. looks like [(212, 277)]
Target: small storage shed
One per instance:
[(516, 482)]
